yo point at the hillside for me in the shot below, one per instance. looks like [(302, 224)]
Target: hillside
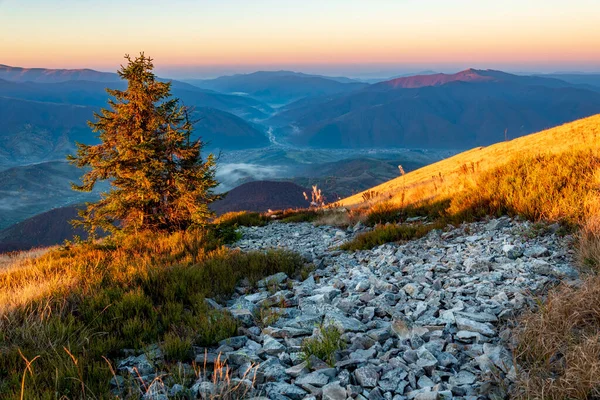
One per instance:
[(46, 229), (261, 196), (29, 190), (443, 178), (455, 114), (222, 130), (42, 121), (32, 131), (279, 87), (592, 80), (45, 75)]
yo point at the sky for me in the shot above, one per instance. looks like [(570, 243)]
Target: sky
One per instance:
[(204, 38)]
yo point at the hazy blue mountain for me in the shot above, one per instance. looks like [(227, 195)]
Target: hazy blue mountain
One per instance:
[(592, 80), (34, 131), (46, 75), (463, 110), (225, 131), (29, 190), (279, 87), (92, 93)]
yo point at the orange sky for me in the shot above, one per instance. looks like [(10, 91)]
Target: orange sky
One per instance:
[(527, 34)]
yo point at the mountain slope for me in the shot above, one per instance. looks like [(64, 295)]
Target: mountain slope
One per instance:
[(442, 112), (279, 87), (220, 129), (92, 93), (46, 229), (33, 131), (45, 75), (261, 196), (469, 75), (591, 80), (444, 177), (33, 189)]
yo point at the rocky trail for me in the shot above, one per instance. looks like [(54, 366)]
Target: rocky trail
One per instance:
[(428, 319)]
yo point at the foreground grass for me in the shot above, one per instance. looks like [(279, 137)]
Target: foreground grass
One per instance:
[(558, 345), (71, 308)]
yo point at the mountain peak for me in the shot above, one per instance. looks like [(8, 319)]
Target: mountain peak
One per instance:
[(417, 81)]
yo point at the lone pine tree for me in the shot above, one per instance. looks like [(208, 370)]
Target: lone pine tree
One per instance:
[(158, 178)]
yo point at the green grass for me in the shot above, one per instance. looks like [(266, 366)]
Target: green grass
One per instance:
[(325, 345), (301, 215), (93, 300), (382, 213), (390, 233), (241, 218)]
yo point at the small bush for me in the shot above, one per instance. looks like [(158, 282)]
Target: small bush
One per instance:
[(241, 218), (385, 212), (176, 347), (325, 345), (389, 233), (301, 215)]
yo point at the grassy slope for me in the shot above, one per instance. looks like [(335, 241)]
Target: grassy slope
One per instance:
[(445, 178)]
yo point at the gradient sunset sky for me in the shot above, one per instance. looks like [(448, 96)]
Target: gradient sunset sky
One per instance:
[(190, 38)]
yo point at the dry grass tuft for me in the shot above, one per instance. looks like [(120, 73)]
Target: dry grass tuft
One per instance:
[(588, 248), (558, 346)]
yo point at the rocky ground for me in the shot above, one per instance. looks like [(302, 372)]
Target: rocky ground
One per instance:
[(428, 319)]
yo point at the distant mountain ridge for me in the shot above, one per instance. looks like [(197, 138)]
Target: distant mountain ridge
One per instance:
[(469, 75), (279, 87), (43, 112), (45, 75), (458, 111)]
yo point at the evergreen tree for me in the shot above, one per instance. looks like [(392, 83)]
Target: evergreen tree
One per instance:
[(158, 178)]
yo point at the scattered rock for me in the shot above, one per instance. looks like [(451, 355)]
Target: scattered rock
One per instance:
[(419, 320)]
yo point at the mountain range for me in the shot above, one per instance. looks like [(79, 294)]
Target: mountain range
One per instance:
[(467, 109), (281, 125), (279, 87)]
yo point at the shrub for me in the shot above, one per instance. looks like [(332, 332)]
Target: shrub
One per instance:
[(382, 213), (176, 347), (300, 215), (241, 218), (325, 345), (389, 233)]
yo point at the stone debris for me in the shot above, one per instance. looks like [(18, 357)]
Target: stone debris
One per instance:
[(420, 320)]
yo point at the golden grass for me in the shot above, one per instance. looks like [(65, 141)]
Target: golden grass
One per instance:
[(588, 248), (558, 346), (447, 177), (9, 260)]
